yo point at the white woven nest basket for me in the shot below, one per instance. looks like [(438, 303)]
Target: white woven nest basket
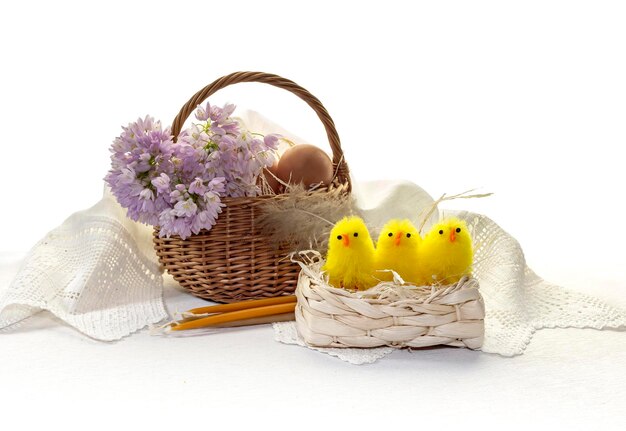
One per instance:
[(388, 314)]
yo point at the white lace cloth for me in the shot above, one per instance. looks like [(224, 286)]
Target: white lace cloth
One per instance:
[(99, 273)]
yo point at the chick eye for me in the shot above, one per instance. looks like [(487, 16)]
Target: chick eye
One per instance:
[(356, 234), (458, 229), (441, 232), (390, 234), (408, 235), (339, 237)]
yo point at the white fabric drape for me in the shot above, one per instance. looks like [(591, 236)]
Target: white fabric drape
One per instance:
[(99, 273)]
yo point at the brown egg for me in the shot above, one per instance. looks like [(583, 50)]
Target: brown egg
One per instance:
[(306, 164), (270, 175)]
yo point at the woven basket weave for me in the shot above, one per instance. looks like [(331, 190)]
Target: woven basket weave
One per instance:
[(393, 316), (233, 261)]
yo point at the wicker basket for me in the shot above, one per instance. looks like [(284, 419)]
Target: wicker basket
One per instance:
[(393, 316), (233, 261)]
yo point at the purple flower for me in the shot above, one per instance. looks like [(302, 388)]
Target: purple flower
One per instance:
[(202, 113), (179, 185), (179, 193), (197, 187), (186, 208), (271, 141), (221, 115), (172, 225), (162, 183), (146, 195), (217, 185)]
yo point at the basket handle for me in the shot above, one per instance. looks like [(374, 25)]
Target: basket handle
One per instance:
[(341, 167)]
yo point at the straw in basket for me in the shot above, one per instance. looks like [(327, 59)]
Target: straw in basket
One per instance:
[(233, 261)]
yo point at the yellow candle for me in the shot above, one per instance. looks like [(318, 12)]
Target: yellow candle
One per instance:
[(234, 316), (222, 308)]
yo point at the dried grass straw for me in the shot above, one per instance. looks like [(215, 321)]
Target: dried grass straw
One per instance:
[(388, 314), (430, 210)]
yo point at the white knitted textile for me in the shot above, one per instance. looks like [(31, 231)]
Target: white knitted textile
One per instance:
[(99, 273)]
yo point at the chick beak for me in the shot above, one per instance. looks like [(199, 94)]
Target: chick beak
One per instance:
[(398, 236), (452, 235), (346, 240)]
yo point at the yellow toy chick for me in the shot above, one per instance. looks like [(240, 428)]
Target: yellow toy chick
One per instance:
[(350, 257), (446, 252), (397, 249)]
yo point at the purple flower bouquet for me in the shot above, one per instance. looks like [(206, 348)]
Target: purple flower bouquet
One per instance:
[(178, 185)]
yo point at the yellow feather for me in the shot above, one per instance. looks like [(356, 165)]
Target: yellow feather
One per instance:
[(350, 258), (446, 252), (397, 249)]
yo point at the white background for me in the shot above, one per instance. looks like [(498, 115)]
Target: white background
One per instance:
[(523, 99)]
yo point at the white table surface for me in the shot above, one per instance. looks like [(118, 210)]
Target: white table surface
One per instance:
[(525, 99), (50, 373)]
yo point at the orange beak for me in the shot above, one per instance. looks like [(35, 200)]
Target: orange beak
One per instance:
[(452, 235), (346, 240), (398, 236)]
